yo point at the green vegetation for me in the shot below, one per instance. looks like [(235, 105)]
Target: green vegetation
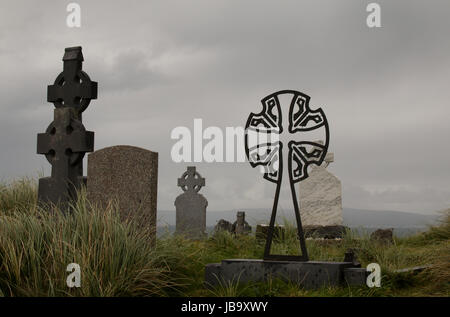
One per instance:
[(119, 258)]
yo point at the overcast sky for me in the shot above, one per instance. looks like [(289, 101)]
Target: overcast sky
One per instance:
[(160, 64)]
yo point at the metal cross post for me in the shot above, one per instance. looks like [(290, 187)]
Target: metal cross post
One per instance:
[(300, 154)]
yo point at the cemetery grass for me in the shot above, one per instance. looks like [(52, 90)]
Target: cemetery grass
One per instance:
[(119, 258)]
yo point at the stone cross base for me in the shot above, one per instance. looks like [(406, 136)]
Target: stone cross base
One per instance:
[(310, 275)]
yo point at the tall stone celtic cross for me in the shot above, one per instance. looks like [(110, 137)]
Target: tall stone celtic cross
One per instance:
[(191, 180), (66, 140), (264, 149)]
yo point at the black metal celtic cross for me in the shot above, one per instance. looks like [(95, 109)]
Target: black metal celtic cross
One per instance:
[(66, 140), (268, 154)]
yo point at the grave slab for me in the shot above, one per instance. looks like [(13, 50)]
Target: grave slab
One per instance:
[(355, 276), (310, 274)]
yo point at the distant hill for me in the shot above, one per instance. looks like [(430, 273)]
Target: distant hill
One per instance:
[(386, 219), (352, 218)]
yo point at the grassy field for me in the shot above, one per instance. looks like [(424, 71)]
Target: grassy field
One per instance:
[(117, 258)]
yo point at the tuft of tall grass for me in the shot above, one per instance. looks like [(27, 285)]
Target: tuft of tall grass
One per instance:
[(19, 195), (440, 232), (232, 288), (116, 258), (119, 258)]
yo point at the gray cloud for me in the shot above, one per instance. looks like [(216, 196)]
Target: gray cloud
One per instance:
[(161, 64)]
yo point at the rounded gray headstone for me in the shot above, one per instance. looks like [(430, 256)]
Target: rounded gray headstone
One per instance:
[(128, 176)]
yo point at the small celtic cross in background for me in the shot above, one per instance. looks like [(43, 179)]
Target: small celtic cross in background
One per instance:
[(191, 180)]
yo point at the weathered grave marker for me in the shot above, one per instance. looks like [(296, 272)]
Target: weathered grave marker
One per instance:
[(385, 236), (223, 225), (128, 176), (321, 197), (66, 140), (321, 202), (191, 206), (240, 226)]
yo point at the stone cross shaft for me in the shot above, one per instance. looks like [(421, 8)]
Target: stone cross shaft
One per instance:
[(64, 144), (191, 181)]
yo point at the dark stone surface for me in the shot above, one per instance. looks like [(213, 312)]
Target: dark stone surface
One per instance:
[(383, 236), (325, 232), (64, 144), (414, 270), (128, 176), (72, 88), (350, 256), (66, 140), (355, 276), (263, 229), (223, 225), (191, 206), (310, 274), (212, 274), (240, 226)]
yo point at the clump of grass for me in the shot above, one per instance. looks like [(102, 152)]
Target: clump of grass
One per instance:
[(115, 258), (232, 288), (440, 232), (226, 245), (19, 195), (120, 258)]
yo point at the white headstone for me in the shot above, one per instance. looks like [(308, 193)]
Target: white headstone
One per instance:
[(321, 197)]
